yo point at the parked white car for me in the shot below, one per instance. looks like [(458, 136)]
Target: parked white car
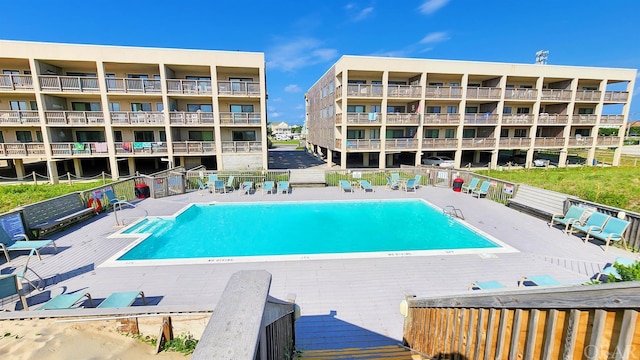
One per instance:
[(441, 161)]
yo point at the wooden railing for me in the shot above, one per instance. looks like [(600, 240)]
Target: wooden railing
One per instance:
[(363, 118), (19, 117), (608, 140), (439, 119), (521, 142), (552, 119), (584, 119), (362, 144), (179, 86), (612, 119), (9, 82), (69, 83), (486, 142), (583, 141), (616, 96), (140, 148), (549, 142), (401, 143), (517, 119), (364, 90), (74, 117), (89, 149), (439, 143), (588, 95), (579, 322), (22, 150)]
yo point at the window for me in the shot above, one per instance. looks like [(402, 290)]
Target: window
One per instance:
[(200, 135), (355, 108), (471, 110), (159, 106), (590, 88), (18, 105), (85, 106), (33, 105), (468, 133), (249, 135), (585, 111), (81, 74), (355, 134), (357, 82), (431, 134), (330, 110), (1, 137), (510, 86), (24, 136), (332, 87), (143, 136), (526, 86), (376, 108), (433, 109), (39, 136), (454, 84), (138, 76), (117, 136), (474, 85), (395, 134), (452, 109), (506, 110), (583, 132), (241, 108), (114, 106), (504, 133), (201, 107), (397, 82), (435, 84), (450, 133), (88, 136), (163, 135), (522, 110), (520, 133), (395, 109), (140, 106), (374, 134)]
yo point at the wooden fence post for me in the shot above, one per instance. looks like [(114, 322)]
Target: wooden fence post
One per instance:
[(69, 178), (35, 179)]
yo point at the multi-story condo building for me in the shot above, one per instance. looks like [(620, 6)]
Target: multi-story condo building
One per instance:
[(117, 108), (383, 112)]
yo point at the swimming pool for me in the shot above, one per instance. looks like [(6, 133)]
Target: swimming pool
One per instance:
[(230, 232)]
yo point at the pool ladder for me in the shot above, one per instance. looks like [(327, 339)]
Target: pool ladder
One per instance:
[(453, 211)]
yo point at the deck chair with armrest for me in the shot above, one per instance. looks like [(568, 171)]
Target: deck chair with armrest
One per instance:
[(118, 201), (283, 187), (212, 179), (366, 185), (483, 190), (409, 184), (392, 184), (23, 274), (612, 231), (471, 186), (229, 185), (219, 187), (595, 222), (486, 285), (245, 187), (122, 299), (10, 286), (268, 187), (67, 301), (610, 270), (345, 186), (573, 214), (418, 177), (202, 186), (8, 244), (539, 280)]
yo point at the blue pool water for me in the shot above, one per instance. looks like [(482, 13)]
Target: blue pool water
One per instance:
[(310, 228)]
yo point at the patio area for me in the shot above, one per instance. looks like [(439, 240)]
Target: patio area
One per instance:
[(344, 303)]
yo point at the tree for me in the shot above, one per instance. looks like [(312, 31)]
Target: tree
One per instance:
[(296, 129)]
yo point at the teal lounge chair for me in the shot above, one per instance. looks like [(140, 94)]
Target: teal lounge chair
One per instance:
[(283, 187), (22, 275), (67, 301), (10, 286), (595, 222), (268, 187), (8, 244), (118, 201), (229, 184), (212, 179), (539, 280), (219, 187), (409, 184), (613, 230), (418, 177), (366, 185), (122, 299), (345, 186), (202, 186), (572, 215), (395, 177), (245, 187), (486, 285), (391, 184), (483, 190), (610, 269), (471, 186)]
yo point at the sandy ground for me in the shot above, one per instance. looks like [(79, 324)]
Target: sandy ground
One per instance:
[(60, 339)]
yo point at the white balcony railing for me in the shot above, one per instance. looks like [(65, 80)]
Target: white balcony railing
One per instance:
[(404, 91), (362, 144), (616, 96), (361, 90), (363, 118), (588, 95), (74, 117), (515, 142), (192, 87), (135, 86), (137, 118), (584, 119), (478, 143), (241, 146), (9, 82), (191, 118), (439, 143), (439, 119), (481, 118), (612, 119), (238, 88), (407, 144), (444, 92), (521, 94), (69, 83), (549, 142), (240, 118), (19, 117), (517, 119), (140, 148), (552, 119), (194, 147), (403, 119), (556, 94), (483, 93)]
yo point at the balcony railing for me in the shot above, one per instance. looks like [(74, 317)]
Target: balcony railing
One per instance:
[(483, 93), (481, 119), (580, 141), (517, 119), (194, 147), (437, 119), (616, 96), (338, 119), (339, 92), (404, 91), (133, 86), (478, 143), (403, 119), (362, 144), (137, 118), (444, 92), (439, 143), (19, 117), (179, 86), (516, 142), (74, 117), (552, 119), (239, 88), (556, 94), (240, 118), (191, 118), (364, 90), (521, 94), (69, 83), (402, 144), (141, 148), (22, 149), (608, 140), (9, 82), (612, 119), (80, 149), (588, 95), (241, 146), (549, 142), (584, 119), (364, 118)]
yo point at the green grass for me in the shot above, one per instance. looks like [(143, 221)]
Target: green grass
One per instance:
[(613, 186), (12, 196), (286, 142)]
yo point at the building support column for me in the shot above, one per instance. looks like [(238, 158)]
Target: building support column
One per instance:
[(77, 167), (562, 158), (494, 160), (132, 166), (389, 159), (343, 159), (18, 164), (52, 169), (476, 156), (382, 160), (365, 159), (591, 156)]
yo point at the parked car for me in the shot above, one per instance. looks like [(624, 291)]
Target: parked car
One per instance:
[(442, 161), (541, 162)]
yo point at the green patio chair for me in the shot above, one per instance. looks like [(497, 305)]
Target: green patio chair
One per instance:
[(67, 301), (10, 286)]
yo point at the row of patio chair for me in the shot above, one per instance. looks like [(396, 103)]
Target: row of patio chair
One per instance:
[(594, 224), (395, 182), (216, 186), (475, 190)]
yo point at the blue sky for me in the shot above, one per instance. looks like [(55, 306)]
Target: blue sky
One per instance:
[(302, 39)]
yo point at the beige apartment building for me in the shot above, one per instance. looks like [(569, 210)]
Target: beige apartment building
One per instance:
[(77, 107), (384, 112)]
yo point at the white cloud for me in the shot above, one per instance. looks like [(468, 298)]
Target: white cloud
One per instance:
[(299, 107), (363, 14), (349, 6), (274, 115), (278, 99), (431, 6), (293, 88), (299, 53), (435, 37)]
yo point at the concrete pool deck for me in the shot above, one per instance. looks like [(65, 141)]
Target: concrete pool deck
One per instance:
[(344, 303)]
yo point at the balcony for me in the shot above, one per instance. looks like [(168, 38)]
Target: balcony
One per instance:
[(404, 91), (439, 143), (401, 144), (515, 142), (179, 86), (584, 119), (141, 148), (238, 88), (10, 82), (29, 150), (580, 141), (79, 149), (360, 90), (552, 119), (517, 119), (137, 118), (481, 119), (612, 119), (338, 92), (194, 147), (361, 144), (19, 117), (364, 118), (79, 84), (588, 95), (521, 94), (616, 96), (403, 119), (241, 147), (338, 119), (444, 92), (240, 118), (74, 117), (438, 119), (608, 141), (478, 143), (191, 118), (483, 93), (556, 94), (546, 142), (133, 86)]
